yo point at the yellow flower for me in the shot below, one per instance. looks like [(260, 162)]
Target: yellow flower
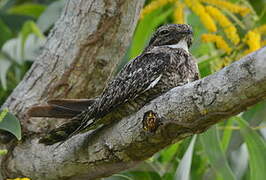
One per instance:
[(205, 18), (179, 13), (252, 39), (260, 29), (153, 6), (221, 63), (229, 29), (229, 6), (19, 179), (263, 43), (218, 40)]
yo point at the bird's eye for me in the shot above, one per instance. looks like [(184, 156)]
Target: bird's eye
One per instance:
[(164, 32)]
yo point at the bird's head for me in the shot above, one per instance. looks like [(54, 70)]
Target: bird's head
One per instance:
[(172, 35)]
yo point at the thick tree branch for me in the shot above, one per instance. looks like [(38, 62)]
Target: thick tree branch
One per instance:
[(183, 111)]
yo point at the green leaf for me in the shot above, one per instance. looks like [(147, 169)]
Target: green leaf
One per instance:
[(26, 46), (168, 153), (29, 28), (4, 66), (205, 67), (29, 9), (213, 149), (119, 177), (183, 170), (239, 160), (256, 114), (3, 152), (50, 15), (6, 4), (5, 33), (12, 51), (256, 149), (10, 123), (14, 22), (133, 175), (227, 133)]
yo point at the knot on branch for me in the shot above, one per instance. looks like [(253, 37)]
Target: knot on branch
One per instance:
[(151, 121)]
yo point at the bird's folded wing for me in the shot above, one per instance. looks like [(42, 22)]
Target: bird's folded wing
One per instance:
[(135, 78)]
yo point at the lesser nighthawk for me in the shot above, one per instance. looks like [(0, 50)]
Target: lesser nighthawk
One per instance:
[(164, 64)]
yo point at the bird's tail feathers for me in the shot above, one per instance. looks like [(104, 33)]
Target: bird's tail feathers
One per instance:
[(61, 108), (61, 133), (65, 131)]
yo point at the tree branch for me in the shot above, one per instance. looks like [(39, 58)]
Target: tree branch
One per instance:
[(183, 111)]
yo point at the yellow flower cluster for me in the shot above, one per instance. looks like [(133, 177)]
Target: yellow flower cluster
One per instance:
[(263, 43), (252, 39), (229, 29), (260, 29), (19, 179), (179, 13), (229, 6), (218, 40), (153, 6), (205, 18)]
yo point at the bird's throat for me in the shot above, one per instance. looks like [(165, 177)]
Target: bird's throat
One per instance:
[(181, 44)]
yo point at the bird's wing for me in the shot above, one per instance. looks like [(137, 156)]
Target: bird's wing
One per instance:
[(194, 67), (135, 78)]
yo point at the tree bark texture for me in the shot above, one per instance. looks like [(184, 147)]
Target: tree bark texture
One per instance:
[(179, 113), (82, 50)]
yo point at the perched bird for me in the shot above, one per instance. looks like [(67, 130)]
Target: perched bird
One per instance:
[(164, 64)]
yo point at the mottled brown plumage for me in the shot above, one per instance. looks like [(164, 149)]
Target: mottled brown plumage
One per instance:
[(164, 64)]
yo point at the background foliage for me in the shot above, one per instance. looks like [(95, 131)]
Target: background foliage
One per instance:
[(224, 31)]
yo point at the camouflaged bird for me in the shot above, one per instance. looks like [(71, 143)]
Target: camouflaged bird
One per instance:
[(164, 64)]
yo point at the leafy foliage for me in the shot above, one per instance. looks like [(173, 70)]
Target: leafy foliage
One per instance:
[(23, 27), (10, 123), (256, 148), (183, 170), (211, 144)]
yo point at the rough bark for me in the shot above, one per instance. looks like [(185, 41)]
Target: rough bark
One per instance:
[(182, 112), (82, 50)]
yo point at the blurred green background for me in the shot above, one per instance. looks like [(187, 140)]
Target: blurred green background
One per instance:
[(232, 149)]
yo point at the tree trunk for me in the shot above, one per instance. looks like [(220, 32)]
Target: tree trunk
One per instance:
[(100, 30), (82, 50)]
